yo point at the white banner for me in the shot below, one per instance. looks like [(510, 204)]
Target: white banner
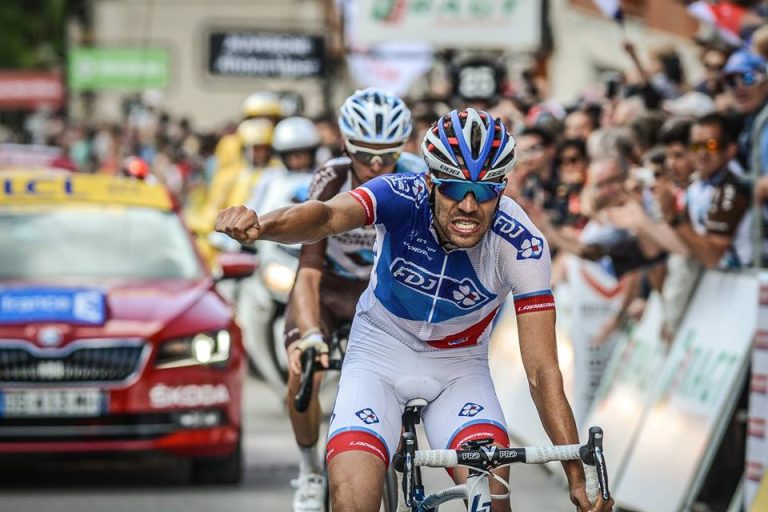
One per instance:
[(502, 24), (597, 297), (624, 395), (693, 397), (757, 430), (392, 67)]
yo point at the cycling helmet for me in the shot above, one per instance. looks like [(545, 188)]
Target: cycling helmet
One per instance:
[(255, 132), (375, 116), (263, 104), (469, 145), (294, 134)]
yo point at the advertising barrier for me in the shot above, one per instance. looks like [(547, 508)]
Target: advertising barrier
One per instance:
[(757, 441), (597, 296), (624, 395), (693, 397)]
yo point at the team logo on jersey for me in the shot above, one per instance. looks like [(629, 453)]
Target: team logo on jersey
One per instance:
[(528, 246), (367, 416), (470, 409), (465, 294), (405, 186)]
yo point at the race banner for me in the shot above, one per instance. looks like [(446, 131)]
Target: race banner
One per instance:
[(756, 467), (693, 398), (507, 24), (597, 297)]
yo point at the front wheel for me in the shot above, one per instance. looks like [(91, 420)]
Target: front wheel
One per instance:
[(391, 490)]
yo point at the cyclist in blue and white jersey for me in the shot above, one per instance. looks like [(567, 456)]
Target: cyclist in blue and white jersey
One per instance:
[(449, 249)]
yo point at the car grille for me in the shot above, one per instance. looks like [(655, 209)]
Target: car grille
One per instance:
[(96, 364)]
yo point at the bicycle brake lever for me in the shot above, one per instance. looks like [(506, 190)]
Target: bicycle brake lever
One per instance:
[(592, 454)]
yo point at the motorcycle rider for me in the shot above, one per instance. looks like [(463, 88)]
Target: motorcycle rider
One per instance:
[(335, 271)]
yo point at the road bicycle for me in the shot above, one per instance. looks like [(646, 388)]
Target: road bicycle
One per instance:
[(481, 456)]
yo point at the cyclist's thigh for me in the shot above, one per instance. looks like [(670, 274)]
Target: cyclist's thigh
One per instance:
[(366, 416), (467, 409)]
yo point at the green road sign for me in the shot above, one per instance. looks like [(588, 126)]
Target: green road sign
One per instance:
[(93, 69)]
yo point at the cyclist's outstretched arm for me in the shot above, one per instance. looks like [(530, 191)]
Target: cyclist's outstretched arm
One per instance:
[(307, 222), (538, 349)]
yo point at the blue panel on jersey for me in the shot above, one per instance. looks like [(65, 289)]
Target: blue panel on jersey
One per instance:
[(528, 246), (408, 283)]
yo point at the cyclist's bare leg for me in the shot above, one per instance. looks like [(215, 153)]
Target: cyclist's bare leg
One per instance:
[(356, 480), (460, 476), (306, 425)]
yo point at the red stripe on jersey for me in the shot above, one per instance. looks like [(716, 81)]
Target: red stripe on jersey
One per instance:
[(478, 431), (534, 304), (466, 337), (363, 197), (356, 440)]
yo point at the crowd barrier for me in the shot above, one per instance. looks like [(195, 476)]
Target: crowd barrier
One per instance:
[(664, 410)]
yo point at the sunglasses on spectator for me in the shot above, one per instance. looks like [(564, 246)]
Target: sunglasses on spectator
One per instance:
[(710, 145), (713, 67), (457, 190), (368, 156), (747, 79)]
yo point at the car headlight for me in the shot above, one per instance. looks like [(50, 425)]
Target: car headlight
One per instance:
[(203, 348), (278, 278)]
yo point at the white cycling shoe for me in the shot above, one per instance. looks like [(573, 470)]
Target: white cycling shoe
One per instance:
[(310, 493)]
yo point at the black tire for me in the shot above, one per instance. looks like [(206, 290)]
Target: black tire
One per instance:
[(273, 346), (227, 470)]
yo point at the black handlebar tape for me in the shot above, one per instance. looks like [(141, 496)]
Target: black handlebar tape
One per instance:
[(301, 401)]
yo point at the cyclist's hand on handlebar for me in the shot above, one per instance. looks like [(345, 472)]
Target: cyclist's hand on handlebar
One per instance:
[(297, 348), (579, 498), (240, 223)]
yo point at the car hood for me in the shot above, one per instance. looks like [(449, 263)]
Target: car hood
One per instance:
[(131, 309)]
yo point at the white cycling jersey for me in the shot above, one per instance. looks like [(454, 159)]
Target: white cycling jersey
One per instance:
[(430, 298)]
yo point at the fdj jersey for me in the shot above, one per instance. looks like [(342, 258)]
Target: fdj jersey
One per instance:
[(432, 298)]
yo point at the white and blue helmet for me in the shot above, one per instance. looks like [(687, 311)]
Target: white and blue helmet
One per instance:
[(469, 145), (376, 117)]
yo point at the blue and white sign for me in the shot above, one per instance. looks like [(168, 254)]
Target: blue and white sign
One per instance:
[(78, 306)]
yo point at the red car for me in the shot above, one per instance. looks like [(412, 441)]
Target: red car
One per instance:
[(112, 336)]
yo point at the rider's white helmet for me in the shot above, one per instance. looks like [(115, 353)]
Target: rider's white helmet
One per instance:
[(374, 116), (294, 134)]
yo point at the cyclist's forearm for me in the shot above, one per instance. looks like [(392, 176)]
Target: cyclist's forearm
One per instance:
[(305, 299), (555, 414), (307, 222)]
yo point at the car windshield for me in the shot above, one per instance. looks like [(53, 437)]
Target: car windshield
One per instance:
[(89, 242)]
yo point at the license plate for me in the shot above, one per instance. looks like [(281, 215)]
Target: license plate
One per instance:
[(52, 402)]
